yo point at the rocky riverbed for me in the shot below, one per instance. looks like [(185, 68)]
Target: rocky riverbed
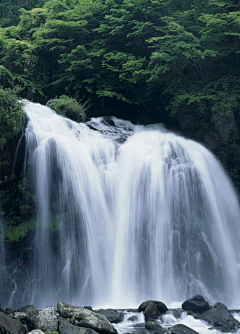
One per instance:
[(151, 317)]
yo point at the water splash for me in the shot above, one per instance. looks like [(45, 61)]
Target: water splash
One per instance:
[(128, 213)]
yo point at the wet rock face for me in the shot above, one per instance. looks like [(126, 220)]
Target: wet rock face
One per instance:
[(10, 326), (196, 304), (46, 320), (112, 315), (221, 317), (152, 309), (160, 305), (182, 329), (66, 328), (83, 317), (155, 327)]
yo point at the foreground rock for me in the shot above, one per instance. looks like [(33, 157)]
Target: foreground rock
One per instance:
[(152, 309), (196, 304), (46, 320), (221, 318), (21, 316), (27, 309), (155, 327), (182, 329), (112, 315), (10, 326), (66, 328), (36, 331), (160, 305), (83, 317)]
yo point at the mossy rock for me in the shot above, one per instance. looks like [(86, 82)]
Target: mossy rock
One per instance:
[(69, 107)]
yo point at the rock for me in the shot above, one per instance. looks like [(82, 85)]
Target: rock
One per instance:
[(138, 325), (112, 315), (27, 309), (66, 328), (36, 331), (108, 120), (83, 317), (220, 317), (220, 305), (89, 319), (67, 311), (151, 311), (196, 304), (46, 320), (155, 327), (10, 326), (132, 318), (161, 306), (21, 315), (182, 329)]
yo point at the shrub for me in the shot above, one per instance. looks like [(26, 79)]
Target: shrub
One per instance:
[(69, 107)]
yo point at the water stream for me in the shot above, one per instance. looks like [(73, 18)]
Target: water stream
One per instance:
[(128, 213)]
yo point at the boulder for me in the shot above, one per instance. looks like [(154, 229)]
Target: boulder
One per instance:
[(82, 317), (220, 305), (151, 312), (21, 316), (36, 331), (66, 328), (89, 319), (46, 320), (112, 315), (27, 309), (155, 327), (182, 329), (67, 311), (161, 306), (10, 326), (220, 317), (196, 304)]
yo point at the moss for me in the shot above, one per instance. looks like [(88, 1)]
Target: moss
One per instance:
[(14, 233), (69, 107), (11, 115)]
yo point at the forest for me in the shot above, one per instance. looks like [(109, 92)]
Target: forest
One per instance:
[(175, 62)]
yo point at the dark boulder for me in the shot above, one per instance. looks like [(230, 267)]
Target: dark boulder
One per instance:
[(10, 326), (112, 315), (161, 306), (220, 317), (196, 304), (66, 328), (151, 312), (27, 309), (182, 329), (155, 327)]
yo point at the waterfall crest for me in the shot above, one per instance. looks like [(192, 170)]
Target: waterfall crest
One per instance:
[(128, 213)]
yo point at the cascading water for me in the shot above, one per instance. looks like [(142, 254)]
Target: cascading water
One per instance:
[(128, 213)]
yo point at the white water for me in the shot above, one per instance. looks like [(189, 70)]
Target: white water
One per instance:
[(154, 217)]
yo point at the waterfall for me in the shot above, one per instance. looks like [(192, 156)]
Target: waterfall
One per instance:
[(128, 213)]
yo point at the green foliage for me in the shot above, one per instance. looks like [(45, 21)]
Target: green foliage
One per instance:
[(9, 10), (173, 59), (17, 203), (11, 115), (14, 232), (69, 107)]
